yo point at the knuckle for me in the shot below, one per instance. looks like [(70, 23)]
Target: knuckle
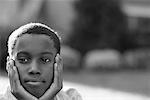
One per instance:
[(61, 86), (14, 91)]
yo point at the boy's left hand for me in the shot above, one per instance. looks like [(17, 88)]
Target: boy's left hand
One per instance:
[(58, 80)]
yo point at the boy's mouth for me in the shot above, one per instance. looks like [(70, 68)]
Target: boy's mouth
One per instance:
[(34, 82)]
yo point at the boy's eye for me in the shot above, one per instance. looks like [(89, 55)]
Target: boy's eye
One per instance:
[(23, 60), (46, 60)]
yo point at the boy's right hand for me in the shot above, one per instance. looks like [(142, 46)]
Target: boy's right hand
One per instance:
[(16, 88)]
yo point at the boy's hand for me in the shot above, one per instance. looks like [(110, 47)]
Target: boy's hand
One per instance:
[(16, 88), (57, 85)]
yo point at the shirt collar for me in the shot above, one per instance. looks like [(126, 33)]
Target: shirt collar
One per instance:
[(9, 95)]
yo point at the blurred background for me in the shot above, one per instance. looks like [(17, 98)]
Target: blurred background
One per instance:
[(105, 43)]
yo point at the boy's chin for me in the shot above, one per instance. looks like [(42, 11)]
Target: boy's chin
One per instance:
[(36, 92), (37, 95)]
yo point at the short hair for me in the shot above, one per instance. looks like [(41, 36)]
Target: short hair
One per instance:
[(32, 28)]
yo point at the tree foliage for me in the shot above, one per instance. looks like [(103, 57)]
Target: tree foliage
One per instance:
[(99, 24)]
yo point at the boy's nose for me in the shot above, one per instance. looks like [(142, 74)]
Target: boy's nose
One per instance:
[(34, 68)]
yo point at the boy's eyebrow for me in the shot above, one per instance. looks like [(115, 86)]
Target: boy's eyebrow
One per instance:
[(26, 53), (22, 52), (44, 53)]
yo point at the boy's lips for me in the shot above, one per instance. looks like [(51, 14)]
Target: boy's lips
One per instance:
[(34, 82)]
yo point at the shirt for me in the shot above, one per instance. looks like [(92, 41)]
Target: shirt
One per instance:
[(70, 94)]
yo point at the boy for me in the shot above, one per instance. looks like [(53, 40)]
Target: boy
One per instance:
[(34, 65)]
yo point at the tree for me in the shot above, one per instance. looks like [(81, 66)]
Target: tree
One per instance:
[(99, 24)]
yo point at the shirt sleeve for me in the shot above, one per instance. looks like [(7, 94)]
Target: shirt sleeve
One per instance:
[(70, 94), (73, 94)]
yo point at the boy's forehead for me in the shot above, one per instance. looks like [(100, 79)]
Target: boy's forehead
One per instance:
[(35, 42)]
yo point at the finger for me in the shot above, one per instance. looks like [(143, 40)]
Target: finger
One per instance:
[(10, 63), (59, 68), (55, 74), (16, 76), (11, 74), (58, 77), (9, 68), (58, 59), (59, 62)]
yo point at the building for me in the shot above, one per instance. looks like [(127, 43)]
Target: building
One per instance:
[(138, 14)]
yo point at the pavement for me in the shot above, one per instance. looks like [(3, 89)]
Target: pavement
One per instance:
[(104, 85)]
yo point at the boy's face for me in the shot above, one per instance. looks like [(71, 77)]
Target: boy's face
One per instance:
[(34, 59)]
